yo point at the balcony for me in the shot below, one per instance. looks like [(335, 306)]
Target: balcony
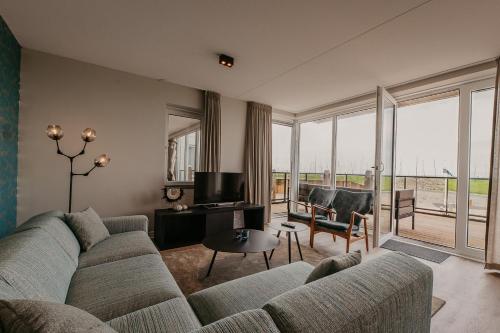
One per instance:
[(435, 203)]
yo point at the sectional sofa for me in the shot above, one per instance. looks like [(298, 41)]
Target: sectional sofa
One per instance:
[(124, 282)]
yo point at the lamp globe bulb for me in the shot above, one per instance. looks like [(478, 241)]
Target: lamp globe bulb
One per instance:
[(54, 132), (101, 161), (88, 135)]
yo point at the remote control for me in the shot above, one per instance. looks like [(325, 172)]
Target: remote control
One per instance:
[(289, 225)]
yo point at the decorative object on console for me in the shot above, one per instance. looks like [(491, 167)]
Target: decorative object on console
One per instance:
[(178, 194), (56, 133), (172, 194)]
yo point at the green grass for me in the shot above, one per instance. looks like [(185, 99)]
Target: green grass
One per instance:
[(476, 186)]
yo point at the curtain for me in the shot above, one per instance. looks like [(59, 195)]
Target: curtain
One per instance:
[(493, 221), (258, 155), (210, 133)]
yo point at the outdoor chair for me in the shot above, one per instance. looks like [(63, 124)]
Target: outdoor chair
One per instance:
[(318, 196), (405, 207), (345, 215)]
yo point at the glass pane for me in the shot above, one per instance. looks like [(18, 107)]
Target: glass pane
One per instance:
[(479, 167), (387, 160), (426, 156), (315, 156), (282, 139), (355, 150), (182, 151)]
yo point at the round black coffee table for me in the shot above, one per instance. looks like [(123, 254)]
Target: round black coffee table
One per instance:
[(226, 241)]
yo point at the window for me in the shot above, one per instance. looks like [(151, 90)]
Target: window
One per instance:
[(315, 156), (182, 148), (355, 149), (281, 163)]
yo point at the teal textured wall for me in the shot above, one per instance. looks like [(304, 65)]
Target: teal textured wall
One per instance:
[(10, 62)]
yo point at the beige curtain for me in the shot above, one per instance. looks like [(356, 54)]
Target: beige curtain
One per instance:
[(493, 221), (258, 154), (210, 133)]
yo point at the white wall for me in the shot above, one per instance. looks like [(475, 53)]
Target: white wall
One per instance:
[(128, 113)]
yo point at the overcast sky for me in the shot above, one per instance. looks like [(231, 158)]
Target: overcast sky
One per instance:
[(427, 140)]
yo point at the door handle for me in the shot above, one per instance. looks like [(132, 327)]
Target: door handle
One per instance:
[(381, 169)]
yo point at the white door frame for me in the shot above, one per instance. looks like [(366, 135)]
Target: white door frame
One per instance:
[(382, 94), (464, 144)]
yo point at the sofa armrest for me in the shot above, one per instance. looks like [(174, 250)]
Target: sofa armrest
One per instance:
[(119, 224)]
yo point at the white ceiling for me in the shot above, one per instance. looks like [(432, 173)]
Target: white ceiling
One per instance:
[(294, 55)]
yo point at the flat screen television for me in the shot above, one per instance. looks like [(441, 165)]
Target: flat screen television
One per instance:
[(218, 187)]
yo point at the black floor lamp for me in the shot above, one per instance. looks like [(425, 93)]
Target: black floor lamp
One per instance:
[(56, 133)]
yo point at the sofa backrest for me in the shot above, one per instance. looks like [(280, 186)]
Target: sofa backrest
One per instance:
[(33, 264), (391, 293), (53, 223), (8, 292)]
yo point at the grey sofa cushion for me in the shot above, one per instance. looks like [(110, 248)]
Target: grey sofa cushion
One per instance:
[(252, 321), (172, 316), (36, 265), (334, 225), (391, 293), (53, 223), (246, 293), (45, 317), (118, 246), (303, 216), (87, 227), (114, 289), (333, 265)]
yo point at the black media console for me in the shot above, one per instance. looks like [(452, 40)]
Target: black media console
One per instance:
[(188, 227)]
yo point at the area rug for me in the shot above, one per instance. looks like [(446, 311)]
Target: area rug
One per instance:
[(437, 304), (189, 265), (416, 251)]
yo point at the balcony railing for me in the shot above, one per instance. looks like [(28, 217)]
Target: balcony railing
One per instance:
[(434, 195)]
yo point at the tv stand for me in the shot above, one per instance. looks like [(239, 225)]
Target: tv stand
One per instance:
[(175, 229)]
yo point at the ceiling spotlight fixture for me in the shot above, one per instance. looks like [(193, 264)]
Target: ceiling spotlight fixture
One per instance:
[(226, 60)]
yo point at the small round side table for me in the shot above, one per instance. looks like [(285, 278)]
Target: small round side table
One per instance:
[(299, 227)]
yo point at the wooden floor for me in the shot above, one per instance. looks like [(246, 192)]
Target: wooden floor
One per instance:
[(439, 230), (472, 294)]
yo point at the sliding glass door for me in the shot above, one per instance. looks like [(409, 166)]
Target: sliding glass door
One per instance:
[(427, 164), (481, 131), (385, 141)]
